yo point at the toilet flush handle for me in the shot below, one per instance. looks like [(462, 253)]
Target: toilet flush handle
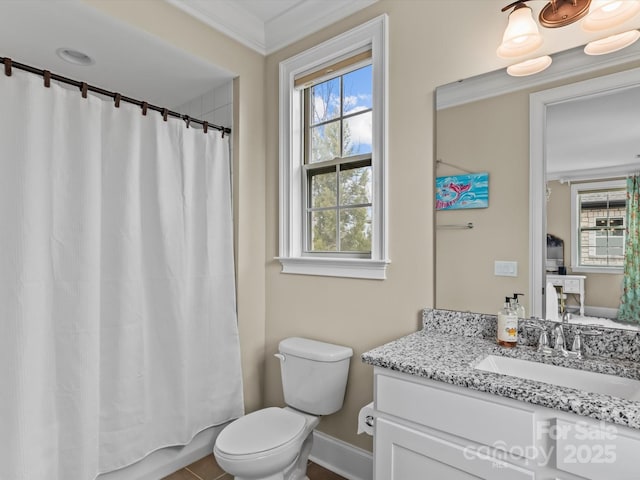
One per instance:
[(279, 356)]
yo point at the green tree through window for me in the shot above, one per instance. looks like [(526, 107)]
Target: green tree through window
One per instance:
[(338, 164)]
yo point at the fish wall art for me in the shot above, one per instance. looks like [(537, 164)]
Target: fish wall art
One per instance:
[(462, 191)]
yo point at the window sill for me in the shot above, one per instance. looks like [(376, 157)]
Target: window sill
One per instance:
[(609, 270), (335, 267)]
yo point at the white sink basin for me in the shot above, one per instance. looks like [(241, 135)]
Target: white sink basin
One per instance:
[(567, 377)]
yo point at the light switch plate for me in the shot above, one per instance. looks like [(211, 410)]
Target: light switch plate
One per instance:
[(505, 269)]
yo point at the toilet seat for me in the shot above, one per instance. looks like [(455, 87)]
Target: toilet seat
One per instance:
[(259, 432), (264, 441)]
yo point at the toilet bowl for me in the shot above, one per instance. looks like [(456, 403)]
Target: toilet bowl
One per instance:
[(269, 444), (274, 443)]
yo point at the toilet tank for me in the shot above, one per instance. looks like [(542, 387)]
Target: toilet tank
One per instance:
[(314, 374)]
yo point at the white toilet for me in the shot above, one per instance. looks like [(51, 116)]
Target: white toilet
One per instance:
[(274, 443)]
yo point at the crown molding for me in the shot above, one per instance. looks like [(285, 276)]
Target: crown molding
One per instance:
[(287, 27), (229, 18), (307, 18), (594, 173)]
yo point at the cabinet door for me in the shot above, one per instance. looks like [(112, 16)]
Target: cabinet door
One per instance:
[(402, 453), (597, 451)]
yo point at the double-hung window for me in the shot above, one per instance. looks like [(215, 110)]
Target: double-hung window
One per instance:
[(337, 164), (333, 157), (598, 226)]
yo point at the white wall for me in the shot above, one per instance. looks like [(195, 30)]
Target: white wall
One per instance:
[(214, 106)]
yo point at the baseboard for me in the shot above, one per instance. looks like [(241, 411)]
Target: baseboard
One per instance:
[(342, 458), (601, 312), (165, 461)]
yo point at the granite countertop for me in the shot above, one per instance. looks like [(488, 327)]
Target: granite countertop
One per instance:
[(451, 358)]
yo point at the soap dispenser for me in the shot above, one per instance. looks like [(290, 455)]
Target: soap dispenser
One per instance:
[(520, 311), (507, 325)]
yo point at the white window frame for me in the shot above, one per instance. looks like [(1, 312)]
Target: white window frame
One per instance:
[(575, 224), (374, 35)]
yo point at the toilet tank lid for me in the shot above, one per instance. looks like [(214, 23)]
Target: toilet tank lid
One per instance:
[(314, 350)]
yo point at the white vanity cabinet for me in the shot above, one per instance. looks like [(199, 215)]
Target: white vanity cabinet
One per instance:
[(426, 429), (406, 453)]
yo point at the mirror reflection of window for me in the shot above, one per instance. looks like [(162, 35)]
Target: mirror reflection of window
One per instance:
[(599, 236)]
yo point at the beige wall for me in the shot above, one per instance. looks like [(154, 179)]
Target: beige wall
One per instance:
[(559, 215), (173, 26), (601, 289)]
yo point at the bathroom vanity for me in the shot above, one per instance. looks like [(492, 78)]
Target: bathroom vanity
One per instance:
[(442, 413)]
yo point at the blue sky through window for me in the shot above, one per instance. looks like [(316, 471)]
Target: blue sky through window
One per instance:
[(356, 98), (356, 91)]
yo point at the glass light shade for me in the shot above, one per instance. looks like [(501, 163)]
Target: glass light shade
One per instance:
[(612, 43), (521, 36), (605, 14), (529, 67)]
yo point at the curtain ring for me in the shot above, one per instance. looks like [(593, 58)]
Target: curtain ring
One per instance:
[(84, 88), (205, 126), (116, 100), (187, 120), (47, 78), (7, 66), (144, 106), (165, 114)]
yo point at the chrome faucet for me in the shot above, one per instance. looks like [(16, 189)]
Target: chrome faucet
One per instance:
[(559, 339), (543, 340), (576, 349), (559, 344)]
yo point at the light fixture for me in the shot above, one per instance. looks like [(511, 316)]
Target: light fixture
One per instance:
[(74, 56), (529, 67), (521, 36), (605, 14), (612, 44), (560, 13)]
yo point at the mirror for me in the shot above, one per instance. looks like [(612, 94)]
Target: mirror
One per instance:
[(484, 124)]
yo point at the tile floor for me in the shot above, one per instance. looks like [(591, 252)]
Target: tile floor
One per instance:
[(207, 469)]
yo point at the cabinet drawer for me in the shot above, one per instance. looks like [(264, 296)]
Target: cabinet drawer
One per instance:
[(597, 450), (572, 286), (472, 418), (406, 454)]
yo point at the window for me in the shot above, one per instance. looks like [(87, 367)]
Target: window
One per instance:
[(609, 241), (598, 233), (338, 164), (333, 156)]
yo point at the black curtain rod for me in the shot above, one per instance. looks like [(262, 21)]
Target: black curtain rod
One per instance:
[(84, 88)]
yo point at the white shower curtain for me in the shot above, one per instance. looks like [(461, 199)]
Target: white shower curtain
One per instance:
[(117, 299)]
